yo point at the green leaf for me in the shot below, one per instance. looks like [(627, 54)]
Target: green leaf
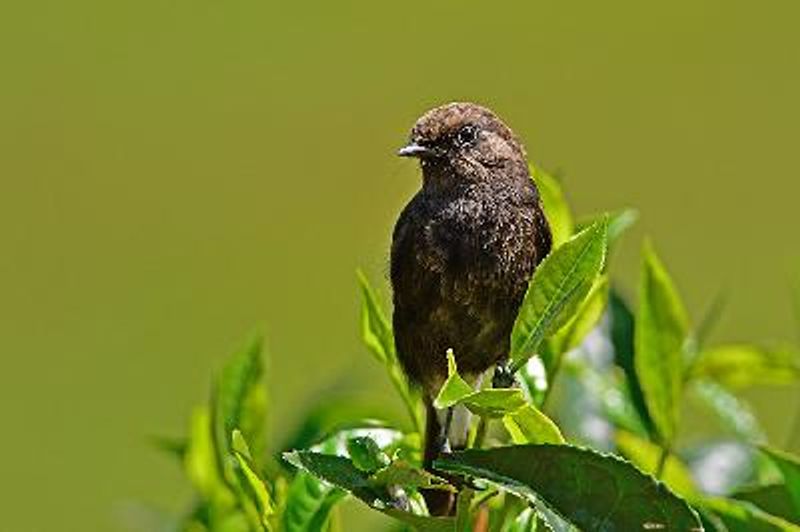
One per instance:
[(309, 503), (530, 425), (341, 472), (555, 206), (455, 388), (463, 510), (557, 289), (401, 473), (646, 455), (252, 486), (523, 420), (588, 314), (366, 454), (526, 521), (661, 329), (422, 523), (389, 440), (240, 401), (377, 334), (739, 366), (591, 490), (740, 516), (618, 223), (789, 466), (376, 330), (734, 413), (622, 338), (494, 402), (774, 499), (490, 402), (200, 461)]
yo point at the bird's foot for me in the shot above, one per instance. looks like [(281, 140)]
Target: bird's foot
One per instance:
[(503, 376)]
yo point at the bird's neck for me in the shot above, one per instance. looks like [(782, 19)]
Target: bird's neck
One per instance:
[(444, 177)]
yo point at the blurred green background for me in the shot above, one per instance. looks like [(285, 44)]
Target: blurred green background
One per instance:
[(175, 173)]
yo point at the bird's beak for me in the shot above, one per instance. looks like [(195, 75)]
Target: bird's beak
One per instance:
[(414, 150)]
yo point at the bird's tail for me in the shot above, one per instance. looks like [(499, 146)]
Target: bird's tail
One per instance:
[(445, 429)]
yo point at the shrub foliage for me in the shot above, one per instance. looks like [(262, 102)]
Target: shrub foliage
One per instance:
[(606, 451)]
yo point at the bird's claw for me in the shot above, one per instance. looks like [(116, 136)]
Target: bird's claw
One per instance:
[(503, 376)]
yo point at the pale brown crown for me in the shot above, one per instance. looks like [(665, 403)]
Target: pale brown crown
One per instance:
[(446, 120)]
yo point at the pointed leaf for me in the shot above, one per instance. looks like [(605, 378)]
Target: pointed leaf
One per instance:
[(387, 439), (240, 400), (789, 466), (455, 388), (401, 473), (526, 521), (494, 402), (309, 502), (588, 314), (774, 499), (200, 461), (742, 366), (591, 490), (377, 333), (423, 523), (252, 485), (525, 420), (646, 456), (555, 206), (740, 516), (618, 223), (375, 327), (341, 472), (622, 338), (530, 425), (661, 329), (463, 513), (557, 289), (366, 454)]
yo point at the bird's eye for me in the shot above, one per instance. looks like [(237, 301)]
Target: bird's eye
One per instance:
[(466, 135)]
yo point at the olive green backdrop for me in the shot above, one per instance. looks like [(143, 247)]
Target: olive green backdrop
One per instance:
[(174, 173)]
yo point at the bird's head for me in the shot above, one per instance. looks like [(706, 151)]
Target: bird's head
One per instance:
[(464, 141)]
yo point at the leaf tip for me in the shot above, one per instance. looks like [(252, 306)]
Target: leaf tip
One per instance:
[(293, 458)]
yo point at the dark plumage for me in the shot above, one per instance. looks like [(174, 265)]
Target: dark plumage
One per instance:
[(464, 248)]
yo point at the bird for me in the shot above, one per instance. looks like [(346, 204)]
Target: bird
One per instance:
[(463, 251)]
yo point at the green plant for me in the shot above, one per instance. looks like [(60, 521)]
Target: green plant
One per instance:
[(524, 471)]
